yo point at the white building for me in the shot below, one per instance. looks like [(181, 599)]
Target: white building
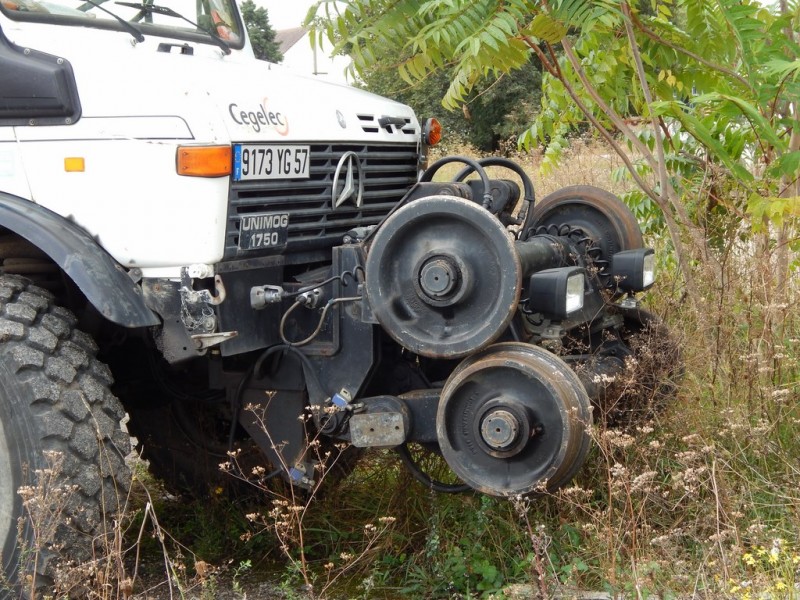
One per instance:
[(299, 55)]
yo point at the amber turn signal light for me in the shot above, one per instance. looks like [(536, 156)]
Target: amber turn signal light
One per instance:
[(74, 164), (432, 132), (204, 161)]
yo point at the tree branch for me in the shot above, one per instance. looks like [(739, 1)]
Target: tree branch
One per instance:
[(666, 207), (667, 191), (646, 188), (663, 179), (617, 120)]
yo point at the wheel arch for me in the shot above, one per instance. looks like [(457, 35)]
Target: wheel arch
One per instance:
[(100, 278)]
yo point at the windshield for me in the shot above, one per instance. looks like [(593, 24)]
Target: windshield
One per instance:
[(219, 17)]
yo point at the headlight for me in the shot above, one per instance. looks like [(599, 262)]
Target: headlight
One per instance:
[(634, 270), (574, 293), (557, 292)]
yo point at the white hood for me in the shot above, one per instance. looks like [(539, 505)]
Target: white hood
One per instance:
[(231, 98)]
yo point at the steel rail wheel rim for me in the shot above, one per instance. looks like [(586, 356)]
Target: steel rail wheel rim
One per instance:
[(501, 381)]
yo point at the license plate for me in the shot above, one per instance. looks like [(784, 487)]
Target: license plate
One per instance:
[(265, 161), (268, 230)]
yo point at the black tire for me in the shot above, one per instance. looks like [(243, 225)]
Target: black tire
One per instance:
[(58, 423)]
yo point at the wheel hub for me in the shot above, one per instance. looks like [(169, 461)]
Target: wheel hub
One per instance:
[(439, 278), (442, 277), (500, 429), (503, 428)]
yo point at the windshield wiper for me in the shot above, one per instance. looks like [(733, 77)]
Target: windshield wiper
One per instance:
[(168, 12), (126, 25)]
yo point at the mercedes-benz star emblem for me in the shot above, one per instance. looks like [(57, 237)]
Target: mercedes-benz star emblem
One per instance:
[(349, 189)]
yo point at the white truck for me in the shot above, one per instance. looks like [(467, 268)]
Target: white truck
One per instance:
[(241, 260)]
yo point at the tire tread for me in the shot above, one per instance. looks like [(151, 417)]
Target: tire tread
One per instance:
[(69, 407)]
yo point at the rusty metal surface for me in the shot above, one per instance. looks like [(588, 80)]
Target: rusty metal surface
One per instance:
[(378, 430)]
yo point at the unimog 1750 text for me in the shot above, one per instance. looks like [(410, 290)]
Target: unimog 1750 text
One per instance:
[(232, 258)]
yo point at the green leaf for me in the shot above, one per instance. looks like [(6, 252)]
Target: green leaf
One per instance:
[(700, 132), (783, 68), (771, 210), (787, 165), (761, 126), (546, 28)]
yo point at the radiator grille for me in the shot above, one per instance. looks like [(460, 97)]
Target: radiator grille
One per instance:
[(388, 171), (372, 124)]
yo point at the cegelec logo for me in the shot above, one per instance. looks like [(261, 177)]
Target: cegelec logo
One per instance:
[(260, 118)]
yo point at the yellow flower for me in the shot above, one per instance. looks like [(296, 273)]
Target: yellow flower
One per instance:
[(748, 559), (779, 585)]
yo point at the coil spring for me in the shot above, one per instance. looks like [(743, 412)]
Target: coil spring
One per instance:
[(593, 254)]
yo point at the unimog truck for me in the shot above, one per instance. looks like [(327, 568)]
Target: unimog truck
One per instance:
[(225, 259)]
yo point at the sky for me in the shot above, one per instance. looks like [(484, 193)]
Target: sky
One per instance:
[(284, 14), (287, 14)]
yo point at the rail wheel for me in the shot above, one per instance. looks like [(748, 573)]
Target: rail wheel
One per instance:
[(514, 419)]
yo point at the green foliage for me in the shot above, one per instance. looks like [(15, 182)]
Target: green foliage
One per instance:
[(721, 90), (262, 35), (475, 39), (773, 210), (705, 93), (471, 546), (214, 530), (775, 568), (495, 111)]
